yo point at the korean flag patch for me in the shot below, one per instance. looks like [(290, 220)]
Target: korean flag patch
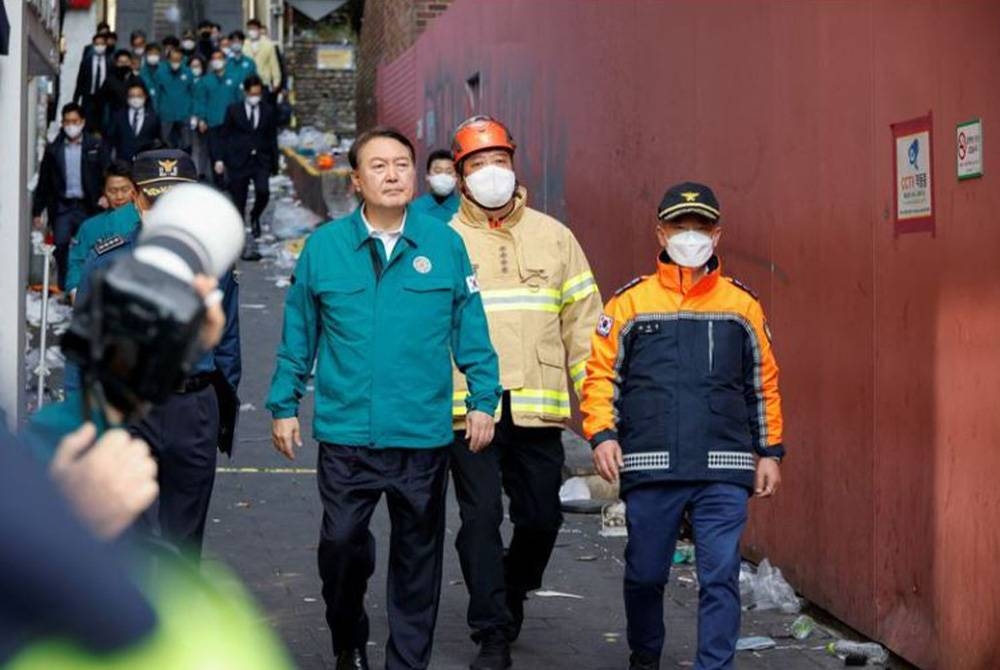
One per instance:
[(472, 283), (604, 325)]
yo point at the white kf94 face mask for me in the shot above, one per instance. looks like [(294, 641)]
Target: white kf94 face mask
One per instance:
[(441, 184), (690, 249), (492, 186)]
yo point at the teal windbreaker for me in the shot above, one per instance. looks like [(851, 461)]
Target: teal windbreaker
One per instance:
[(121, 221), (214, 95), (176, 96), (383, 346), (240, 68)]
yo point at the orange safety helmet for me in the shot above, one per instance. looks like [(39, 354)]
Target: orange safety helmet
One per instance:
[(479, 133)]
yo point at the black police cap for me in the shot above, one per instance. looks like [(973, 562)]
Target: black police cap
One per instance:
[(689, 198), (156, 172)]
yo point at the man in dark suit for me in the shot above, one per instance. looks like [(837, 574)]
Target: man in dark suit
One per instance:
[(250, 149), (95, 68), (114, 93), (70, 182), (135, 128)]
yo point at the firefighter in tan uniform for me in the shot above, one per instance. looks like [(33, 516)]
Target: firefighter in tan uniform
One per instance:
[(542, 304)]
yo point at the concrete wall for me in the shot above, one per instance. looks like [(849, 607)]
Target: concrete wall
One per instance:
[(887, 343)]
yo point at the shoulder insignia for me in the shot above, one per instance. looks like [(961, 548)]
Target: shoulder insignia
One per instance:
[(629, 285), (740, 285), (109, 244)]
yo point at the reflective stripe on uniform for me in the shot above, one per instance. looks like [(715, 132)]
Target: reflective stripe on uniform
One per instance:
[(578, 373), (524, 401), (540, 401), (578, 287), (458, 407), (521, 299)]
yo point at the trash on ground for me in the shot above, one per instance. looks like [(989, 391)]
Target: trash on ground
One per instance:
[(309, 600), (684, 553), (587, 559), (574, 488), (557, 594), (803, 627), (59, 313), (870, 651), (613, 520), (252, 306), (54, 359), (293, 220), (755, 643), (766, 589), (248, 407)]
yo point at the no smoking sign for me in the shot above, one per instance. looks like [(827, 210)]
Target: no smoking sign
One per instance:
[(969, 149)]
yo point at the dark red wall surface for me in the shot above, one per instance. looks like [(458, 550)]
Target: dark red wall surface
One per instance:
[(888, 345)]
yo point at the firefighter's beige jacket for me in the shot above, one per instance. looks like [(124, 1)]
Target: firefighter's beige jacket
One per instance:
[(542, 304)]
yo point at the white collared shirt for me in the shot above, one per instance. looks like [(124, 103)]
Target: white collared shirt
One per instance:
[(251, 110), (388, 237)]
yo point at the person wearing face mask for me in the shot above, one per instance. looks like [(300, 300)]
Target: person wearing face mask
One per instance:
[(188, 45), (176, 102), (205, 45), (136, 128), (239, 65), (69, 183), (215, 93), (95, 69), (250, 153), (137, 40), (114, 93), (150, 72), (681, 403), (441, 200), (199, 143), (541, 301), (264, 53)]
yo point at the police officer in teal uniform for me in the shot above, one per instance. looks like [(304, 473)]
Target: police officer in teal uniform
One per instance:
[(441, 201), (187, 429), (120, 218), (382, 300)]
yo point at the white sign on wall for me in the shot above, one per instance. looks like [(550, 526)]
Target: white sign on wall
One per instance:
[(969, 149)]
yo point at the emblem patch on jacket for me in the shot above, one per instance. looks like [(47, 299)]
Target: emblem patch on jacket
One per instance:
[(472, 283), (422, 264), (604, 325)]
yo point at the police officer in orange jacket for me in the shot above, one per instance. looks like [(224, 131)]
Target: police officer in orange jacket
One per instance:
[(681, 401)]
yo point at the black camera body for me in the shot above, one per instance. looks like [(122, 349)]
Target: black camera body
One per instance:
[(136, 333)]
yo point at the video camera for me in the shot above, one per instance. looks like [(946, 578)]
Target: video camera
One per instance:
[(135, 334)]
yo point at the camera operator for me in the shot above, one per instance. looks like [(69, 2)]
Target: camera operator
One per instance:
[(195, 414)]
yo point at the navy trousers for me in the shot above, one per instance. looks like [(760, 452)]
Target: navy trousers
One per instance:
[(718, 515), (351, 482), (183, 434)]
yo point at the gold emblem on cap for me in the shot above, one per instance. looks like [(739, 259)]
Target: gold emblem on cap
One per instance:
[(168, 168), (690, 196)]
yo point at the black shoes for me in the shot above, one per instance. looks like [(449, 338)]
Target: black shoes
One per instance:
[(355, 659), (494, 652), (640, 661), (515, 605)]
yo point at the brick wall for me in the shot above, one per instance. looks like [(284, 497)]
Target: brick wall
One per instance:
[(389, 27), (323, 98)]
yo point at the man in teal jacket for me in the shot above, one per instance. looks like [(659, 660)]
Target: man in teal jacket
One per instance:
[(120, 218), (176, 102), (216, 91), (385, 298)]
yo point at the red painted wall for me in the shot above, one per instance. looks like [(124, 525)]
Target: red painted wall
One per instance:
[(890, 514)]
